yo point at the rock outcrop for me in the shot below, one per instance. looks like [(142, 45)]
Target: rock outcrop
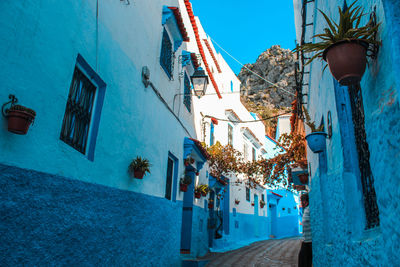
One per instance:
[(277, 66)]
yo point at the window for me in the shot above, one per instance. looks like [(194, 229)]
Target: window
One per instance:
[(231, 86), (168, 186), (247, 193), (245, 151), (253, 154), (82, 112), (187, 97), (230, 135), (171, 174), (167, 55), (212, 134), (262, 197)]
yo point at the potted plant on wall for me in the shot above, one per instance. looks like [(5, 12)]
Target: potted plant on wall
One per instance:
[(316, 139), (344, 46), (197, 192), (204, 189), (184, 182), (139, 167), (19, 119), (262, 203), (210, 203), (237, 201)]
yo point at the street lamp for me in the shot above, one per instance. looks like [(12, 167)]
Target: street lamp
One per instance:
[(199, 81)]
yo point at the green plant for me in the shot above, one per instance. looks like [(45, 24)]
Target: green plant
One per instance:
[(311, 123), (348, 29), (186, 179), (203, 189), (139, 164)]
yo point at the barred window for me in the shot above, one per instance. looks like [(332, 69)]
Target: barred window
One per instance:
[(230, 135), (78, 112), (367, 178), (167, 55), (247, 194), (187, 97)]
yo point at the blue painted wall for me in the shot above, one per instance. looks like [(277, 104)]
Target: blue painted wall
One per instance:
[(336, 206), (48, 219)]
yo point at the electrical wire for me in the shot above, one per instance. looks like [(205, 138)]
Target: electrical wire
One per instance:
[(269, 118), (271, 83)]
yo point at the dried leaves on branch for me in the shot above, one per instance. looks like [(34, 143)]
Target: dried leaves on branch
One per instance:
[(225, 161), (292, 149)]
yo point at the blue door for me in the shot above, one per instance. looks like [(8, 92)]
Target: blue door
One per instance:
[(256, 218), (187, 214)]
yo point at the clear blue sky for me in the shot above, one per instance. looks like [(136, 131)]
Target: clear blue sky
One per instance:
[(245, 29)]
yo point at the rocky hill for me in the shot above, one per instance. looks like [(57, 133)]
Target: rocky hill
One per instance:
[(277, 66)]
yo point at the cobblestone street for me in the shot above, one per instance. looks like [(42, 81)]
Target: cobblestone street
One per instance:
[(273, 253)]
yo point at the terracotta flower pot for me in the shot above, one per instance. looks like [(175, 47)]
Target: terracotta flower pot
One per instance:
[(183, 187), (210, 205), (197, 195), (138, 174), (347, 61), (19, 121), (252, 204), (262, 205), (237, 202), (316, 141), (303, 177)]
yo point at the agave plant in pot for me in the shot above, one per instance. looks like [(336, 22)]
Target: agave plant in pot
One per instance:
[(344, 45), (316, 139), (139, 167)]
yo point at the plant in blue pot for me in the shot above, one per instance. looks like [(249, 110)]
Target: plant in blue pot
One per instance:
[(316, 139)]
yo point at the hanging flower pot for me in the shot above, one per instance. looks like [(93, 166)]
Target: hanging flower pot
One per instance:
[(316, 141), (237, 201), (252, 203), (197, 194), (347, 60), (303, 177), (138, 167), (19, 119), (210, 205), (183, 187)]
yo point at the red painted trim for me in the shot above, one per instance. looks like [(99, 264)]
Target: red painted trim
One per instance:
[(195, 62), (201, 148), (212, 55), (179, 20), (200, 46), (275, 194)]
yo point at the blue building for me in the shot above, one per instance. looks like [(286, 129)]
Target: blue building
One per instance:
[(106, 79), (354, 181)]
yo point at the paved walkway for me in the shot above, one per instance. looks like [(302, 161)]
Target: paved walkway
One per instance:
[(272, 253)]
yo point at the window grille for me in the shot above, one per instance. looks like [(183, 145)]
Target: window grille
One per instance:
[(367, 179), (247, 194), (78, 112), (187, 96), (167, 56), (230, 135)]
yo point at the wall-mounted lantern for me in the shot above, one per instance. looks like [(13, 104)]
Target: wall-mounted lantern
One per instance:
[(200, 82)]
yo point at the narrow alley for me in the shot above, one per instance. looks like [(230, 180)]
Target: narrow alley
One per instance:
[(273, 252)]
